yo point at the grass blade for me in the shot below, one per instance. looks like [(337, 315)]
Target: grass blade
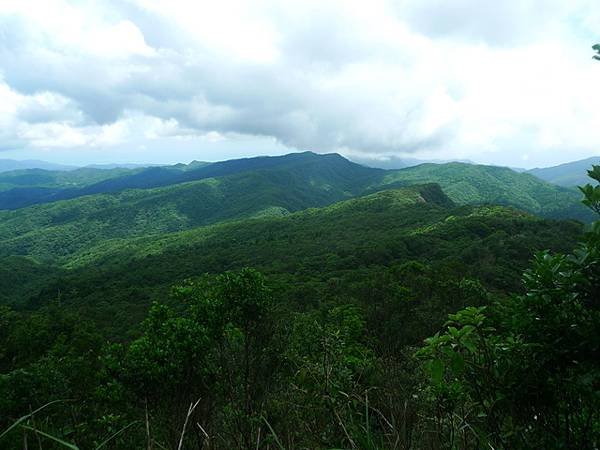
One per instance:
[(24, 418), (49, 436), (281, 447), (103, 443)]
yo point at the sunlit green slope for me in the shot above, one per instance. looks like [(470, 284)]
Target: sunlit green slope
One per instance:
[(478, 184)]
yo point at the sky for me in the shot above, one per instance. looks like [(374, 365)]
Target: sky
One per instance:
[(508, 82)]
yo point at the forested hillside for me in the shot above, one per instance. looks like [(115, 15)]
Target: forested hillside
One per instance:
[(56, 179), (328, 178), (288, 306), (249, 188), (325, 170), (267, 226), (59, 229), (351, 239), (476, 184)]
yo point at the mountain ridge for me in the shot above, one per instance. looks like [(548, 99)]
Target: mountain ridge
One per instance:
[(573, 173), (484, 184), (465, 183)]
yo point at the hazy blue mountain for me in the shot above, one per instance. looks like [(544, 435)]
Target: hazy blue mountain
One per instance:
[(394, 162), (11, 164), (568, 174), (110, 166)]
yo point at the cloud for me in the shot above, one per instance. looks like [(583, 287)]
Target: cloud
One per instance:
[(493, 22), (478, 79)]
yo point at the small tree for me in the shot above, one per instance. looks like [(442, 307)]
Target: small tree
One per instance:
[(236, 309), (215, 354)]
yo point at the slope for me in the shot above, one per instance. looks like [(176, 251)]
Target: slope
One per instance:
[(569, 174), (21, 277), (479, 184), (55, 180), (464, 183), (346, 175), (114, 282), (59, 229)]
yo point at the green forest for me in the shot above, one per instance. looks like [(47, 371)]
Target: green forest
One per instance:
[(298, 302)]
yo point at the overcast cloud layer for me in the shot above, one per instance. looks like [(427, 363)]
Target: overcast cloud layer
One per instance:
[(508, 82)]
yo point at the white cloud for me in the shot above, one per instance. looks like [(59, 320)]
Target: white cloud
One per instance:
[(479, 79)]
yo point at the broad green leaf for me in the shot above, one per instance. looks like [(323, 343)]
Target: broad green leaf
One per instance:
[(437, 371), (457, 363)]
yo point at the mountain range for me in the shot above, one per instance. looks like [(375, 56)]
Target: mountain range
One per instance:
[(60, 220), (7, 165), (329, 177), (114, 282), (68, 219)]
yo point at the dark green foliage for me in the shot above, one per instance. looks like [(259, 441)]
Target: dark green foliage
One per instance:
[(49, 354), (100, 351), (349, 241), (327, 364), (523, 372), (21, 277), (214, 356)]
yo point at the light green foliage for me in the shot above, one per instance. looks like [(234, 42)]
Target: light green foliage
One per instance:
[(592, 192), (477, 184), (60, 229)]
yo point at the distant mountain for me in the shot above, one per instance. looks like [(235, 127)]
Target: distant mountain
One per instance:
[(479, 184), (394, 162), (11, 164), (276, 186), (568, 174), (16, 184), (110, 166), (342, 171), (255, 187), (313, 179)]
